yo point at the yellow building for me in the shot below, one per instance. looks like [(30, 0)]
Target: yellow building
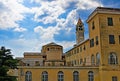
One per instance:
[(93, 59)]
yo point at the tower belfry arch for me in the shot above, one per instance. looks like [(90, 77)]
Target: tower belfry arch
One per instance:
[(79, 31)]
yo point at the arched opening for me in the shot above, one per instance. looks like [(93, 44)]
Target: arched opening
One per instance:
[(75, 76), (44, 76), (90, 76), (60, 76), (97, 59), (92, 60), (28, 76), (113, 58)]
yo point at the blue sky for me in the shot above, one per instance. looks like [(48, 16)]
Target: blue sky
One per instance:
[(26, 25)]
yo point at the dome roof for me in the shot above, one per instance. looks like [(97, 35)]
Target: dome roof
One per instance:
[(52, 44)]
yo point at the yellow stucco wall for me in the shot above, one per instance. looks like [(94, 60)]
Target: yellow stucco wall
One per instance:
[(53, 71), (102, 72)]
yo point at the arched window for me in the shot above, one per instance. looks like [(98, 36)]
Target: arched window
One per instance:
[(90, 76), (28, 76), (75, 76), (97, 59), (113, 58), (44, 76), (60, 76), (92, 60)]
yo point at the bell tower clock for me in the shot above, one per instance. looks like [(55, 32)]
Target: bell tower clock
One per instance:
[(79, 31)]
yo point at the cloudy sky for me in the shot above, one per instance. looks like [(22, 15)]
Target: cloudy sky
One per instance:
[(26, 25)]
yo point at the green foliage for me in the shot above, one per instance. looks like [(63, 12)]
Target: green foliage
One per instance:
[(3, 70), (6, 62), (8, 78)]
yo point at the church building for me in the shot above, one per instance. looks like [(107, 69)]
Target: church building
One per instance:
[(94, 59)]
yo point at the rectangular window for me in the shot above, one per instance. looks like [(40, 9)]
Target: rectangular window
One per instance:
[(69, 54), (96, 40), (81, 61), (119, 39), (75, 62), (72, 63), (84, 47), (93, 25), (80, 49), (48, 49), (21, 72), (37, 63), (111, 39), (110, 21), (77, 50), (92, 43), (114, 78), (84, 60)]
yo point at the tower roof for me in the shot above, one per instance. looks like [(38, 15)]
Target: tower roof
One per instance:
[(79, 22), (52, 44)]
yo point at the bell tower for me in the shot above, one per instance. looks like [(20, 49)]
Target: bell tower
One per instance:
[(79, 31)]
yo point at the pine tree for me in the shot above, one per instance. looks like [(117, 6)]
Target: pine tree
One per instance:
[(6, 62)]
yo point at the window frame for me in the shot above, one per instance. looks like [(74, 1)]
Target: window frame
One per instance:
[(114, 78), (111, 39), (119, 39), (97, 59), (75, 76), (44, 76), (92, 60), (92, 42), (93, 25), (84, 47), (110, 21), (81, 61), (84, 60), (113, 59), (60, 76), (97, 42), (81, 49), (90, 76), (28, 76), (77, 50)]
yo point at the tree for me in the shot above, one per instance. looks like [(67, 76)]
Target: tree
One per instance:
[(6, 62)]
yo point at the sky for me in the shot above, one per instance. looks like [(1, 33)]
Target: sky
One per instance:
[(27, 25)]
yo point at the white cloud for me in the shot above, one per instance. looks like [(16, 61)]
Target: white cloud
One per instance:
[(51, 10), (46, 34), (67, 44), (69, 23), (88, 4), (21, 45), (72, 18), (12, 12), (20, 29)]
